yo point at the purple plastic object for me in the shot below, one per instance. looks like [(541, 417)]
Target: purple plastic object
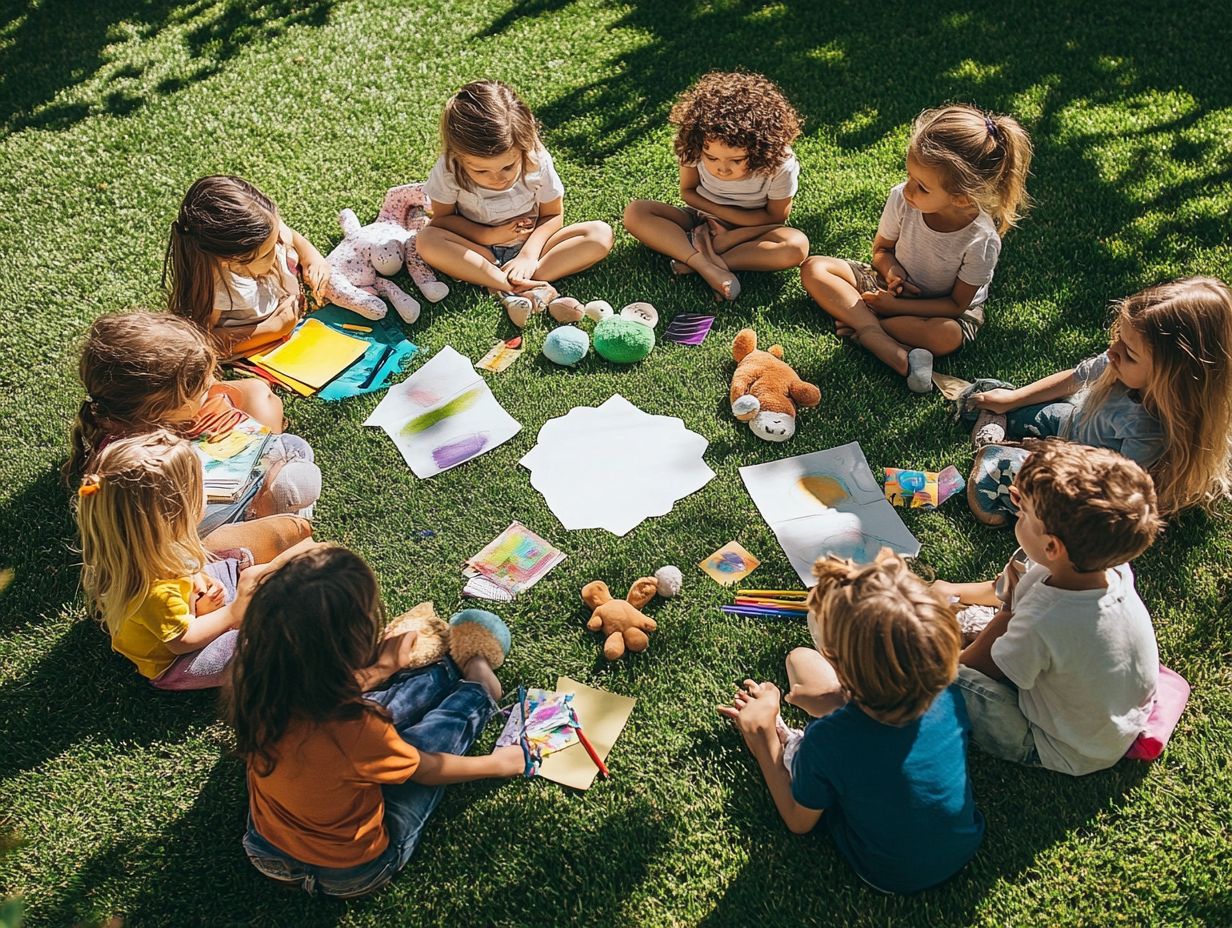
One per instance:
[(689, 329)]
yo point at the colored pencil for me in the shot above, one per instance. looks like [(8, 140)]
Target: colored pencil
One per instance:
[(771, 604), (791, 594), (761, 610), (590, 748), (355, 328)]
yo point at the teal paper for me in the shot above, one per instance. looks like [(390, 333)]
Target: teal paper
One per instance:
[(385, 333)]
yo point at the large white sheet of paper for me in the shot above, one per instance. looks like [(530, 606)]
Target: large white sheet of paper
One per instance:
[(613, 466), (443, 415), (827, 502)]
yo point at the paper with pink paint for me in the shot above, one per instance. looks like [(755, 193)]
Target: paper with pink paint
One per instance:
[(443, 415)]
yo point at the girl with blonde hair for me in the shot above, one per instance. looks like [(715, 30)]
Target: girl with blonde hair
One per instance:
[(1161, 395), (498, 204), (169, 607), (936, 246), (885, 758)]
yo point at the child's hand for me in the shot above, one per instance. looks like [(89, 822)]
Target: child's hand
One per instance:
[(879, 301), (520, 272), (208, 594), (999, 400), (1009, 579), (509, 761), (754, 709), (316, 275), (945, 590), (898, 283)]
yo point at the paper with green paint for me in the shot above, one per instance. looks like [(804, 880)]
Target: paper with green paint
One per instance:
[(443, 415)]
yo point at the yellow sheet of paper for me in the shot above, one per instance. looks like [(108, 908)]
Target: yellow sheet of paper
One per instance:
[(314, 355), (301, 388), (602, 715)]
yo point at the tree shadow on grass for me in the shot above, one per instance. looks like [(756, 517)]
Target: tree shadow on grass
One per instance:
[(580, 877), (860, 74), (38, 536), (57, 46)]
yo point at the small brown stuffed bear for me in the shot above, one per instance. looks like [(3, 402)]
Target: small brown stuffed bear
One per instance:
[(622, 621), (765, 390)]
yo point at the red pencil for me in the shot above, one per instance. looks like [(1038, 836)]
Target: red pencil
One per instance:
[(590, 748)]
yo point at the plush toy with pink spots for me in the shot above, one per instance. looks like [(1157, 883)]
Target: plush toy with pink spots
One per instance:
[(381, 248)]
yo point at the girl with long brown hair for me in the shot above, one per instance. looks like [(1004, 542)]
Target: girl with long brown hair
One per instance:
[(232, 266)]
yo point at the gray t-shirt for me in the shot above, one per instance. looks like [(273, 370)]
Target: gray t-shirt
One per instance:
[(1085, 663), (1121, 423), (935, 260)]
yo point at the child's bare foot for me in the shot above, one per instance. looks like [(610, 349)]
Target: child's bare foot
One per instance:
[(680, 268), (478, 670), (844, 331), (722, 281)]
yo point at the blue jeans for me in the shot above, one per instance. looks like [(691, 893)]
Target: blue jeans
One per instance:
[(1039, 420), (436, 711), (998, 726)]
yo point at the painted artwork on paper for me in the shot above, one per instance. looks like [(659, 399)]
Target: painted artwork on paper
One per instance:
[(826, 503), (443, 415)]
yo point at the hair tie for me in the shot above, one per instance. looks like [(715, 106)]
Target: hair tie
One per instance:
[(992, 128), (90, 484)]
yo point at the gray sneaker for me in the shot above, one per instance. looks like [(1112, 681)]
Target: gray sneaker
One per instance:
[(989, 429)]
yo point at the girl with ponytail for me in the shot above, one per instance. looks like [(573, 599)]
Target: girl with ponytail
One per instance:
[(936, 246)]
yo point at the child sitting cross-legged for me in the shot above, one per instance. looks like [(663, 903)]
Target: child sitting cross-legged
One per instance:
[(1064, 674), (348, 753), (885, 759)]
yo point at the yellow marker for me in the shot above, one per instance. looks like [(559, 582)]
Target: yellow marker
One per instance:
[(356, 328)]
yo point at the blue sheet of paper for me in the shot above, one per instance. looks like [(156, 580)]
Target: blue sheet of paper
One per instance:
[(386, 334)]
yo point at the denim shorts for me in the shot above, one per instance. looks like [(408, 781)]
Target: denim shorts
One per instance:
[(998, 726), (503, 254)]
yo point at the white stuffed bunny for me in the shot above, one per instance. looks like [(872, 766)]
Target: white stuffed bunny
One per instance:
[(382, 247)]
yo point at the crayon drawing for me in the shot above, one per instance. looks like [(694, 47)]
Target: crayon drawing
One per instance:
[(730, 563), (824, 503)]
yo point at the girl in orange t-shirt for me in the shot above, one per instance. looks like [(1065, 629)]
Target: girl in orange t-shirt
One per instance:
[(342, 778)]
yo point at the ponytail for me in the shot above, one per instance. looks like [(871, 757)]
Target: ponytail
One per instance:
[(984, 156)]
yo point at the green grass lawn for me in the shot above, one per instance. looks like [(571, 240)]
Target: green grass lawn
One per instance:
[(128, 802)]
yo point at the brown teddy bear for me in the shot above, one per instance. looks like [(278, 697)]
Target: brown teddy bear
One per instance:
[(765, 390), (622, 621)]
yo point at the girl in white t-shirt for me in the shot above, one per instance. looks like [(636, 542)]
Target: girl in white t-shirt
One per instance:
[(937, 243), (232, 266), (497, 204), (738, 177)]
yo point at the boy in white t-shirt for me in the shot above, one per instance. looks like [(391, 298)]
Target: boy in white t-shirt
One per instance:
[(1064, 675)]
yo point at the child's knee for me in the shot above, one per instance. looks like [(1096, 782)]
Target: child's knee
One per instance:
[(813, 270), (795, 247), (601, 234), (949, 338), (636, 213)]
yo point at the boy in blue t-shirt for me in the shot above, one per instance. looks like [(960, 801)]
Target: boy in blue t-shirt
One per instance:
[(886, 757)]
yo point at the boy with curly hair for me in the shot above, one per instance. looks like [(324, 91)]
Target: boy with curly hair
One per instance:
[(738, 176), (1064, 675), (885, 759)]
